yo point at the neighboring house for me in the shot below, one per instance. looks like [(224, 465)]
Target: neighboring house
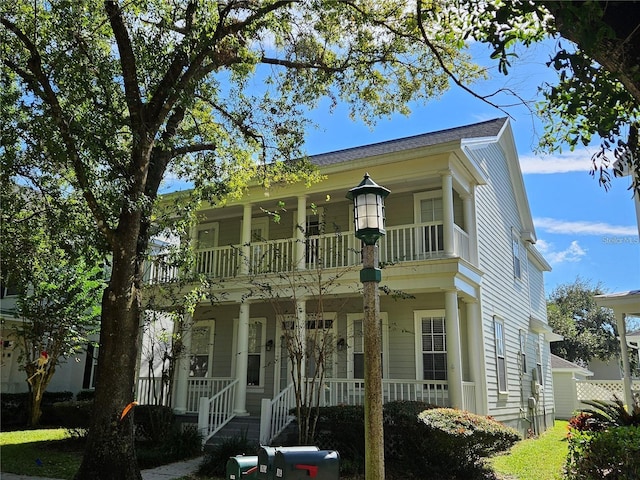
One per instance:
[(72, 374), (612, 369), (624, 304), (566, 376), (459, 240)]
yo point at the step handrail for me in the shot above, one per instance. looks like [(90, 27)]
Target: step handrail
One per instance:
[(215, 412), (275, 416)]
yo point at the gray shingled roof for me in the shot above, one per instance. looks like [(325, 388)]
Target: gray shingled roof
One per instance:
[(558, 362), (490, 128)]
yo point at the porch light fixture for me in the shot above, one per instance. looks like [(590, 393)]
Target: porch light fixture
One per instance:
[(368, 210), (341, 344), (368, 213), (269, 345)]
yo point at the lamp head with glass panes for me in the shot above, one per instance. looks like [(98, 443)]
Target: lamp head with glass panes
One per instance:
[(368, 210)]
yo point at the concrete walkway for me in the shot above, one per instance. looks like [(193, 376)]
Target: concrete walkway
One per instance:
[(165, 472)]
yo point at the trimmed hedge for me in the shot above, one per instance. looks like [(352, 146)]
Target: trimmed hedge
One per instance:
[(421, 440)]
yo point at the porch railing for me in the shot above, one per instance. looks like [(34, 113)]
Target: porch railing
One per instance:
[(199, 387), (215, 412), (400, 244), (341, 391), (152, 391)]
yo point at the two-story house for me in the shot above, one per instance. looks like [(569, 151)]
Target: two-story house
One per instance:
[(467, 324)]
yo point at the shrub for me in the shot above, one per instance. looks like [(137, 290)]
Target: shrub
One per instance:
[(153, 422), (449, 444), (610, 454), (85, 395), (215, 462), (178, 445), (69, 414), (583, 422), (421, 440)]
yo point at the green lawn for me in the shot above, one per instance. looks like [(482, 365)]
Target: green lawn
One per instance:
[(535, 459), (40, 453)]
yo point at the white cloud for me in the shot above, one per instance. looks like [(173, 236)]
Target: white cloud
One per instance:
[(576, 161), (573, 253), (564, 227)]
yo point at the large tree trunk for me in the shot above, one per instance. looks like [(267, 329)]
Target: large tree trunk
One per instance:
[(110, 450)]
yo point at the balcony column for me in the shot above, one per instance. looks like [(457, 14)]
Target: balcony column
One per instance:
[(181, 386), (470, 226), (245, 240), (476, 354), (301, 225), (447, 207), (242, 360), (454, 351)]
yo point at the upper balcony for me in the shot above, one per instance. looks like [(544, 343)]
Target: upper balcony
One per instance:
[(404, 243), (427, 218)]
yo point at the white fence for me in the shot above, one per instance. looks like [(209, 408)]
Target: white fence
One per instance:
[(607, 390)]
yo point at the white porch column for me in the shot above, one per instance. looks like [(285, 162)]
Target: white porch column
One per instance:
[(245, 240), (447, 206), (624, 352), (301, 225), (242, 359), (454, 359), (181, 387), (470, 227), (476, 354)]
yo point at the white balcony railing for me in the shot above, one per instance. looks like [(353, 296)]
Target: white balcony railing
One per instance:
[(406, 243)]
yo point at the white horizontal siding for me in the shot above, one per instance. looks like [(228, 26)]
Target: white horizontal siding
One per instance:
[(502, 294)]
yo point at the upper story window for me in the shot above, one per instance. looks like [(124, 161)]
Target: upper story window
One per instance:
[(517, 255), (429, 212), (207, 236)]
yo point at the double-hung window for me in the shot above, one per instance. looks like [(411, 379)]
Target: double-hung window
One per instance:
[(501, 363)]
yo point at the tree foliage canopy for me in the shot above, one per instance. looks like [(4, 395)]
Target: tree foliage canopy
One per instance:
[(589, 331)]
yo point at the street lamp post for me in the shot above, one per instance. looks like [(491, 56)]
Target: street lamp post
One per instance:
[(368, 207)]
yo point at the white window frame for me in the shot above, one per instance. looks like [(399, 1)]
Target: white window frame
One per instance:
[(263, 351), (280, 344), (207, 226), (500, 354), (516, 250), (418, 315), (523, 351), (350, 340), (540, 373), (211, 325), (417, 218)]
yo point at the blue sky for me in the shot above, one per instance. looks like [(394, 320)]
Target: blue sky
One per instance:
[(583, 231)]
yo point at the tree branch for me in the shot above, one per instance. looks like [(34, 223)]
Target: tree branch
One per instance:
[(37, 77), (128, 64), (450, 74)]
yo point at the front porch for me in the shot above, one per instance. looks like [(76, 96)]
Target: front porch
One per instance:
[(212, 400)]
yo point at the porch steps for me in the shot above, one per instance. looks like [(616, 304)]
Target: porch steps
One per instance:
[(236, 428)]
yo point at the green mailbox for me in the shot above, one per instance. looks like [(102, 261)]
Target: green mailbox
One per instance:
[(242, 467), (320, 465), (266, 456)]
